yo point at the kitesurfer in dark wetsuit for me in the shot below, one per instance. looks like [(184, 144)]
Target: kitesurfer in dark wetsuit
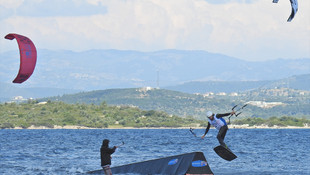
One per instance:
[(219, 123), (105, 153)]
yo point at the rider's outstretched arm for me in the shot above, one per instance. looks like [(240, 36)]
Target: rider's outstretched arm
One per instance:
[(224, 115), (207, 130)]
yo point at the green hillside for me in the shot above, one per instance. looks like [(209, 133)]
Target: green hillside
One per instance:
[(172, 102), (49, 114), (272, 121), (97, 116), (288, 102)]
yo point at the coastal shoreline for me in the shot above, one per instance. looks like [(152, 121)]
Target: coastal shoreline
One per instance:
[(245, 126)]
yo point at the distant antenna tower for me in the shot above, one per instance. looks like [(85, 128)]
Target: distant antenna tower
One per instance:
[(288, 83), (157, 79)]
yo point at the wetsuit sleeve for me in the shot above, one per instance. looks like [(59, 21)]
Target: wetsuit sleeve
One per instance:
[(222, 115), (207, 129)]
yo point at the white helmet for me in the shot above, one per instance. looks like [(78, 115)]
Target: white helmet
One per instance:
[(209, 114)]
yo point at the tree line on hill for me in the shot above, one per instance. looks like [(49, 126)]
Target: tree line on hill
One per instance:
[(50, 113), (274, 121), (89, 115)]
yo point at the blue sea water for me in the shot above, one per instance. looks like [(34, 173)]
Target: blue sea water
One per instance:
[(259, 151)]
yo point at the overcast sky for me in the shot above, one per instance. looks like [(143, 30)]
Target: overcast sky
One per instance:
[(246, 29)]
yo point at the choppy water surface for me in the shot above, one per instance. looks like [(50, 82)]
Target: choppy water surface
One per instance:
[(259, 151)]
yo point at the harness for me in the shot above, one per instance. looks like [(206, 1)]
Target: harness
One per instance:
[(217, 122)]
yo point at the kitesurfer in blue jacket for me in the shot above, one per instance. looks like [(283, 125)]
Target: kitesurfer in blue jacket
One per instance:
[(219, 123), (105, 154)]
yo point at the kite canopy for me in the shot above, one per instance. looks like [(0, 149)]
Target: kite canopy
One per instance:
[(294, 5), (28, 57)]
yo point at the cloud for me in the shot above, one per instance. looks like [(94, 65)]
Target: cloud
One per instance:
[(229, 1), (248, 29), (11, 4), (44, 8)]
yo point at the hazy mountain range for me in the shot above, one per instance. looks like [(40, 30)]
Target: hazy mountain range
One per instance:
[(300, 82), (102, 69), (70, 72)]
